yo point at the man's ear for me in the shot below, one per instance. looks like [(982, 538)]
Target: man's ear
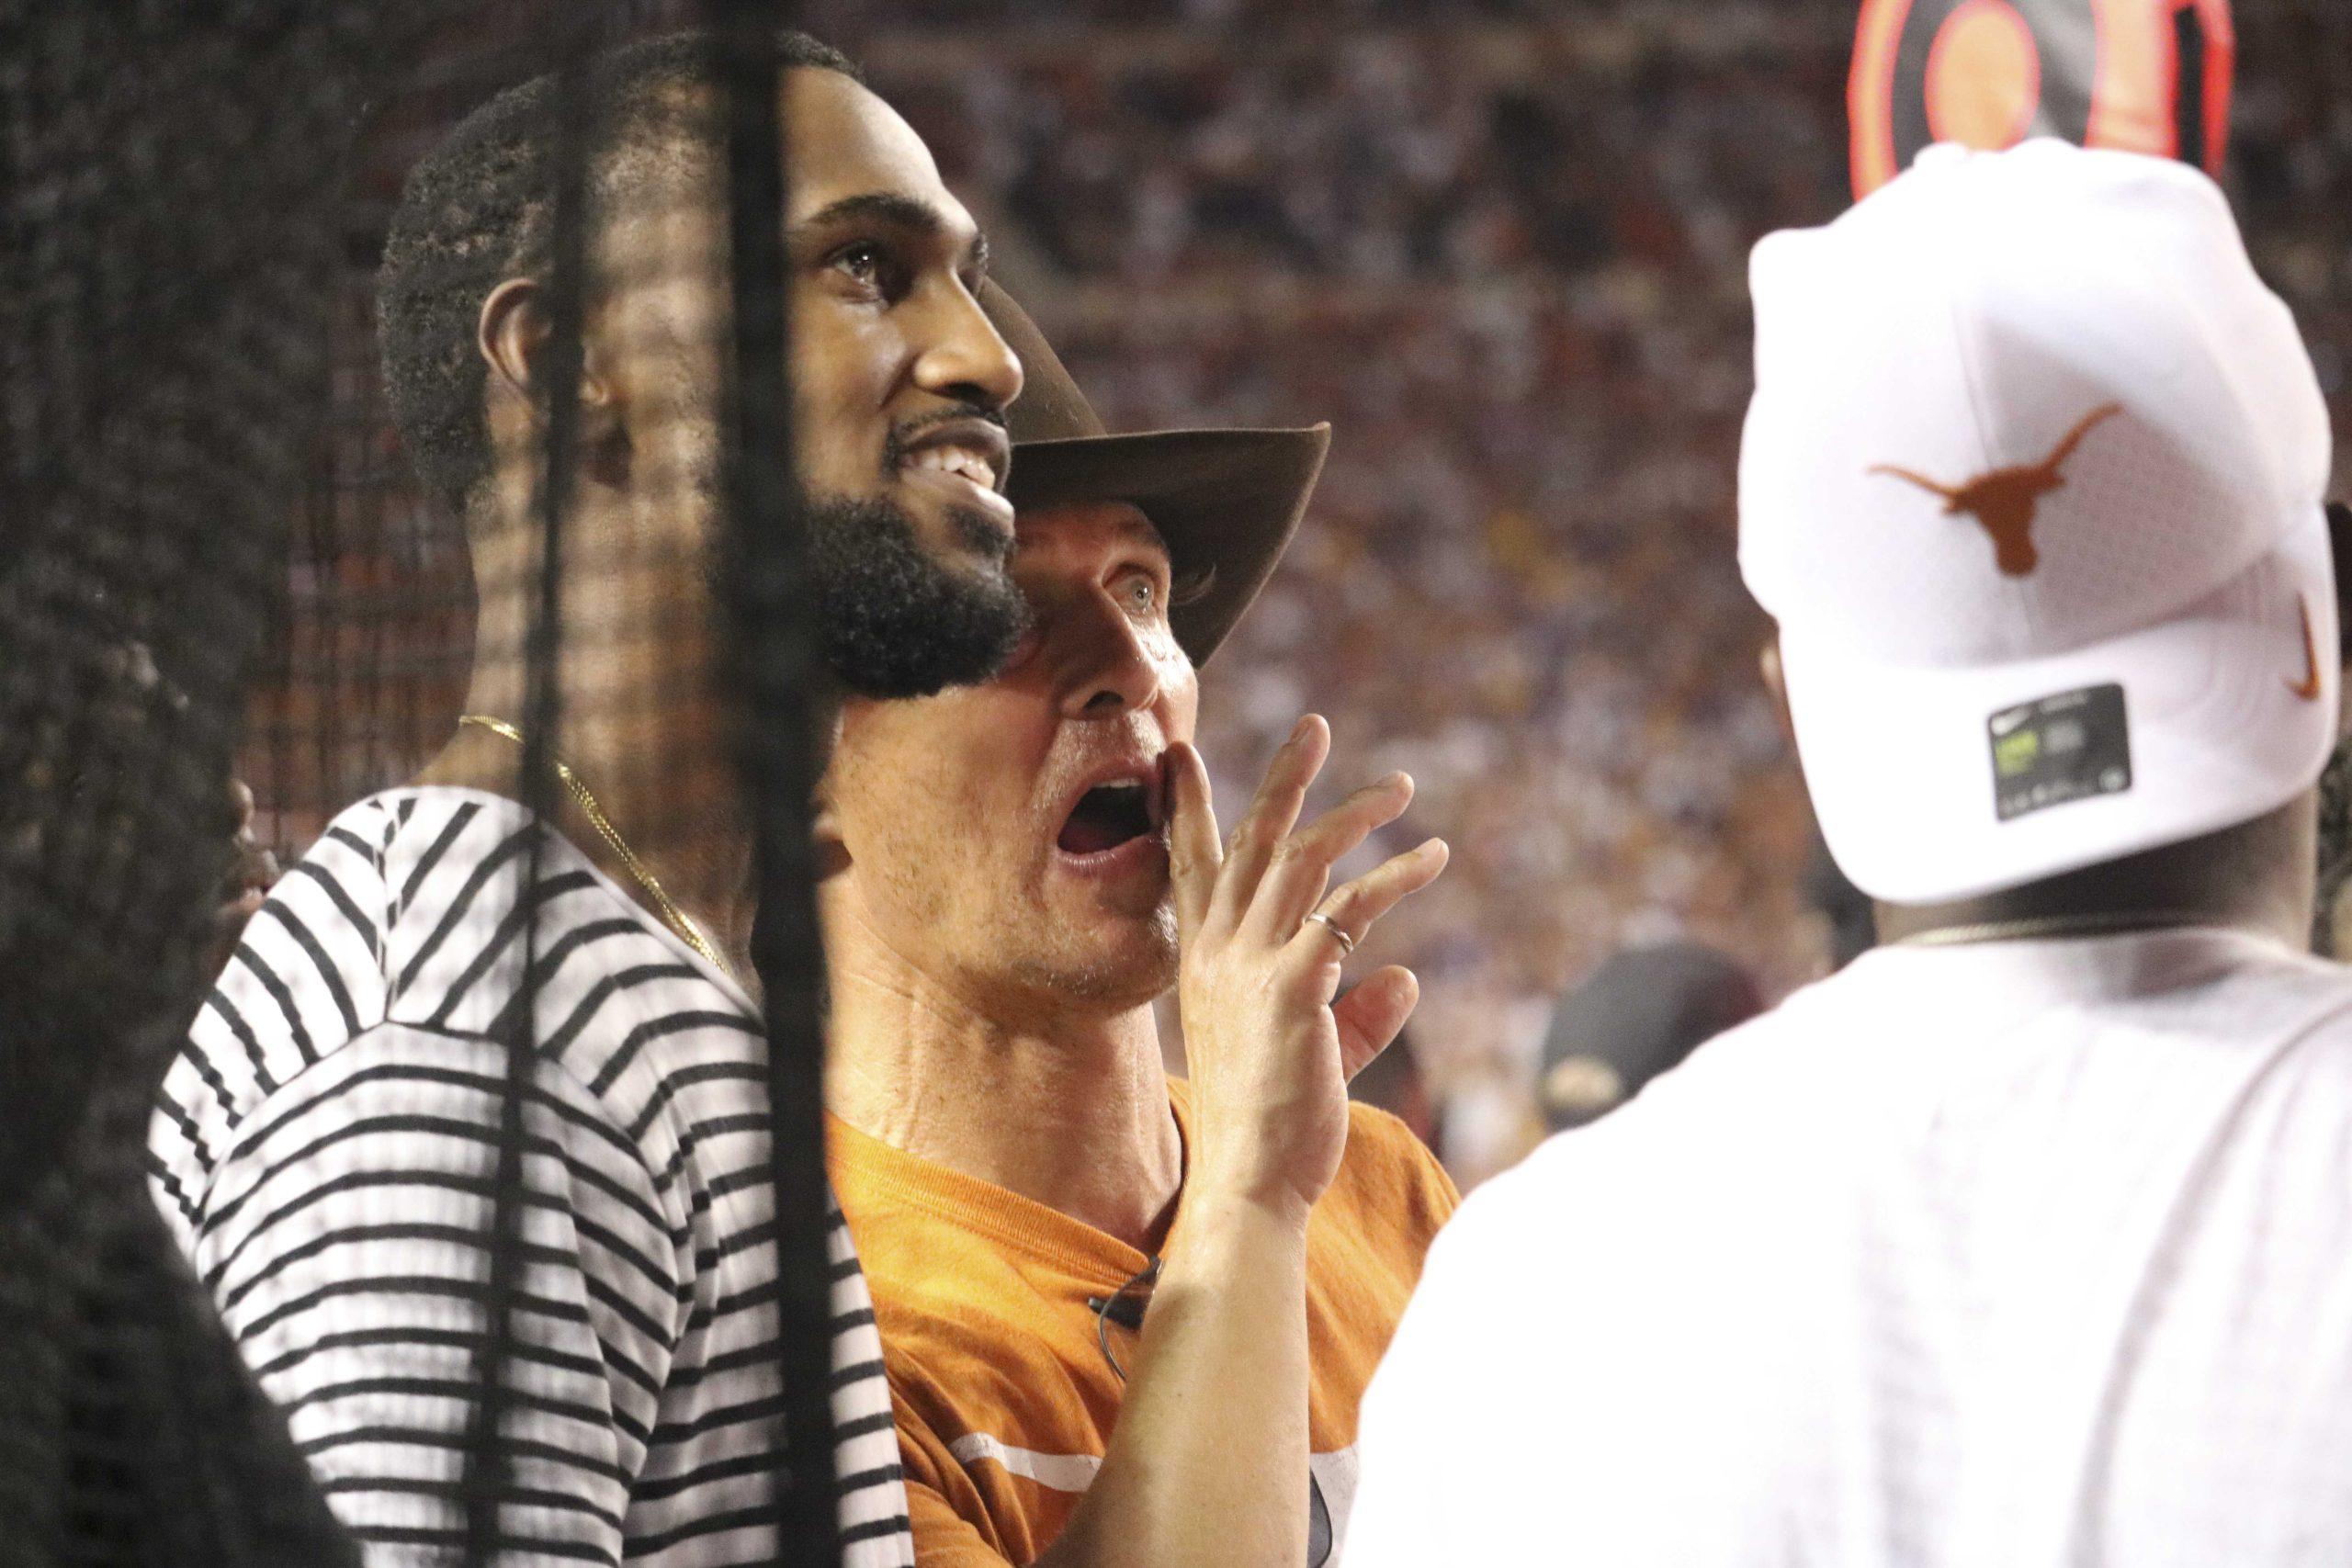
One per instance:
[(1768, 665), (825, 836), (512, 334)]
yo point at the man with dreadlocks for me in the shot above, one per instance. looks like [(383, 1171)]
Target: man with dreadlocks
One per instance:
[(330, 1136)]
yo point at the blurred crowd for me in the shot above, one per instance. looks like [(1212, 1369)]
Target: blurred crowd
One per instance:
[(1504, 255), (1502, 248)]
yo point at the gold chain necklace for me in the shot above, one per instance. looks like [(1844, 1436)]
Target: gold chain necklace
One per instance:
[(680, 921)]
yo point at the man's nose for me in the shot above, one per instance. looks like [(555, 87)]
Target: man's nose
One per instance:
[(1113, 671), (961, 354)]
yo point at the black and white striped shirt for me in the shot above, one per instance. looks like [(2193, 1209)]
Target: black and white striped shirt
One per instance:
[(327, 1144)]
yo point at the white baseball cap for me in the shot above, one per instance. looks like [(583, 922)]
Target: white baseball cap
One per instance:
[(2034, 483)]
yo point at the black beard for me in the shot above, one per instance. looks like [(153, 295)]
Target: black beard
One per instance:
[(898, 621)]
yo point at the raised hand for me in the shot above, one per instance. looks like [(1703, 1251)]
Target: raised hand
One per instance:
[(1268, 1050)]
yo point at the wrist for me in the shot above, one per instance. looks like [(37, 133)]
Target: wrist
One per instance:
[(1232, 1202)]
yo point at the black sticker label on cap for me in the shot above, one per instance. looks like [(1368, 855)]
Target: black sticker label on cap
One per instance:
[(2070, 747)]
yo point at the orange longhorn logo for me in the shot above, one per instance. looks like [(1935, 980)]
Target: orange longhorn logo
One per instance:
[(2308, 688), (2006, 500)]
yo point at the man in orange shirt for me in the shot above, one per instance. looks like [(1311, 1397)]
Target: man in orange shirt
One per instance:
[(1127, 1319)]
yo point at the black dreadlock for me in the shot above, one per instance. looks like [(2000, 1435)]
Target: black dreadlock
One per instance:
[(167, 181)]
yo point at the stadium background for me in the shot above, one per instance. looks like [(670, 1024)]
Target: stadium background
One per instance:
[(1502, 248)]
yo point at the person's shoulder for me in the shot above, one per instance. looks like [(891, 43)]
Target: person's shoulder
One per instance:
[(1768, 1064), (1381, 1148), (341, 899), (313, 968), (1388, 1171), (306, 975), (1374, 1134), (417, 829), (954, 1270), (375, 834), (2324, 982), (346, 865), (1662, 1158), (2240, 996), (2297, 1006)]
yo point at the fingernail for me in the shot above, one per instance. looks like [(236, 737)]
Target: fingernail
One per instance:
[(1298, 730)]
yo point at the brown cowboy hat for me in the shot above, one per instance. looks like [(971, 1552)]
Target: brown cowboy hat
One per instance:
[(1227, 501)]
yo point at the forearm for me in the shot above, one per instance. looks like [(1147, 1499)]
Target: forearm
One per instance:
[(1208, 1463), (1208, 1466)]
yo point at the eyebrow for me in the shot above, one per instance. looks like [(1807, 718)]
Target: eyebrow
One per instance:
[(899, 211), (1137, 528)]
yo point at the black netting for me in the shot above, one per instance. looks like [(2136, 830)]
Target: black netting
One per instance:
[(207, 516), (218, 560), (161, 267)]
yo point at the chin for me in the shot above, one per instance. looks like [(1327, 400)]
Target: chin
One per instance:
[(976, 538), (1136, 966)]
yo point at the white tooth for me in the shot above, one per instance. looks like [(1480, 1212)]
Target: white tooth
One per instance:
[(960, 460)]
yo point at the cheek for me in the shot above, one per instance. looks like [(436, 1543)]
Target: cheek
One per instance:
[(939, 806), (1182, 686), (844, 373), (896, 854)]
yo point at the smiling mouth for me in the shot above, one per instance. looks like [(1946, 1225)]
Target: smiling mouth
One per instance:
[(962, 461), (969, 473), (968, 449), (1106, 818)]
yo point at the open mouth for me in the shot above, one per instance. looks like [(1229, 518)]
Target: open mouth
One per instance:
[(1108, 817)]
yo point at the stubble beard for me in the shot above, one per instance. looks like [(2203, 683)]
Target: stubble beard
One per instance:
[(1120, 982)]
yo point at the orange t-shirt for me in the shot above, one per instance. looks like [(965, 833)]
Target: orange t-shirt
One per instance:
[(1003, 1397)]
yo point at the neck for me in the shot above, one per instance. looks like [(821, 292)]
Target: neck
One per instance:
[(2257, 876), (1071, 1112), (657, 766)]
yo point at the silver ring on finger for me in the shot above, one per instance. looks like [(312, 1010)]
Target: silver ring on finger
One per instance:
[(1347, 944)]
